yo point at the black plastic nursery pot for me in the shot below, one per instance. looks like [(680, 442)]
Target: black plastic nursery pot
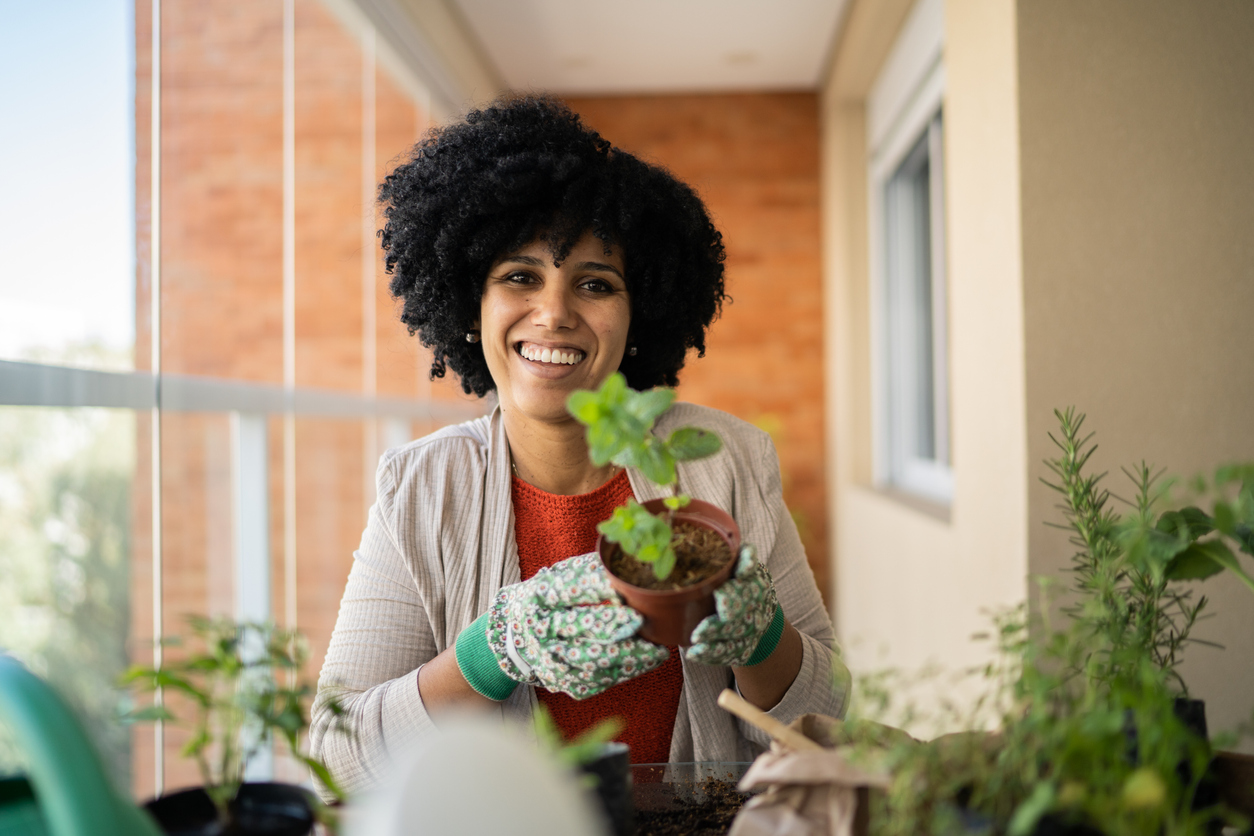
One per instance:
[(260, 809), (612, 773), (670, 615)]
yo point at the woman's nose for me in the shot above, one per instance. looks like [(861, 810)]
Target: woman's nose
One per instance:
[(553, 308)]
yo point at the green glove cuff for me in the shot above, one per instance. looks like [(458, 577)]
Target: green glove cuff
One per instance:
[(479, 664), (768, 642)]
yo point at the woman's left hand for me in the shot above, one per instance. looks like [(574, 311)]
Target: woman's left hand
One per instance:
[(747, 623)]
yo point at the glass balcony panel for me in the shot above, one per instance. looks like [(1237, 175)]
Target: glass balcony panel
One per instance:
[(67, 517)]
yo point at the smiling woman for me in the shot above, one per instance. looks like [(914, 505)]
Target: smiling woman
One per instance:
[(536, 260), (551, 328)]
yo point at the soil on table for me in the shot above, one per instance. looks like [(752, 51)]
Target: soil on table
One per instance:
[(699, 553), (702, 809)]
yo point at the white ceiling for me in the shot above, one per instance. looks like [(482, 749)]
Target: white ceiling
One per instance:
[(650, 46)]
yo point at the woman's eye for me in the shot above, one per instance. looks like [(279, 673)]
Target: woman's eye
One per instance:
[(597, 286), (518, 278)]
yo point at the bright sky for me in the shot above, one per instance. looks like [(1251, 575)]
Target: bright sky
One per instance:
[(66, 174)]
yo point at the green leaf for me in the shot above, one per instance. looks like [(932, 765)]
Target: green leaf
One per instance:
[(677, 502), (1030, 811), (590, 745), (640, 534), (1229, 473), (324, 775), (665, 564), (1199, 561), (603, 732), (1150, 548), (1244, 535), (1225, 517), (648, 406), (1191, 522), (656, 463), (584, 406), (197, 744), (691, 443), (607, 441), (614, 388)]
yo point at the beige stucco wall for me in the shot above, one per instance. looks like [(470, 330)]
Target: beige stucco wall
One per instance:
[(1137, 149), (911, 586)]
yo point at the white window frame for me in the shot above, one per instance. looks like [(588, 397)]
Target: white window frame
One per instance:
[(904, 106)]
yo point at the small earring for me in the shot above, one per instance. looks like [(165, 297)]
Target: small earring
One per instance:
[(472, 336), (631, 351)]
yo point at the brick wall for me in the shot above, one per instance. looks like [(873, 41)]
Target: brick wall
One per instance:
[(754, 159), (222, 303)]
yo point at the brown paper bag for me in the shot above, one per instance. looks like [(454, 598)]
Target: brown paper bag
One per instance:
[(812, 793)]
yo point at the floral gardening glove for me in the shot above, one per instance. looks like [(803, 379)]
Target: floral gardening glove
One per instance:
[(564, 628), (748, 621)]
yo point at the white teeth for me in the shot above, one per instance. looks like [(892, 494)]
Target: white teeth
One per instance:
[(554, 355)]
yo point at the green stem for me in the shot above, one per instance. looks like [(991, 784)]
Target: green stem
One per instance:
[(1235, 568)]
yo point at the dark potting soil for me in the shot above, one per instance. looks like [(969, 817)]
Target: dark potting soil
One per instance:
[(699, 553), (705, 808)]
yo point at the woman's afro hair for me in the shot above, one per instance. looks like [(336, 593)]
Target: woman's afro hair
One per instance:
[(523, 168)]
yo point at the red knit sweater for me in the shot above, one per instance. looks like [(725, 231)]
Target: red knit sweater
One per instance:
[(549, 528)]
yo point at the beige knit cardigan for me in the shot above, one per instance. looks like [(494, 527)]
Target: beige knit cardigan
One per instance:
[(439, 544)]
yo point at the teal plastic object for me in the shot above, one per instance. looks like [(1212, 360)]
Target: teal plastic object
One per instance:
[(19, 811), (74, 798)]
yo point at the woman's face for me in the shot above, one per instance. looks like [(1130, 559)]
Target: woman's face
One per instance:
[(548, 330)]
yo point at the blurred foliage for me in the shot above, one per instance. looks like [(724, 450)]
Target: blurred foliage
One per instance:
[(65, 525), (241, 682), (582, 750), (1089, 736)]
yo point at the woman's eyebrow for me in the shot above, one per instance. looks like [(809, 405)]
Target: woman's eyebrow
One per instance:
[(529, 260), (598, 265)]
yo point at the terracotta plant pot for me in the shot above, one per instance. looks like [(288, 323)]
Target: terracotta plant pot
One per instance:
[(670, 615)]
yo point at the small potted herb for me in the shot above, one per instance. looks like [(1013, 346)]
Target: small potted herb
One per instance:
[(603, 764), (667, 556), (234, 684)]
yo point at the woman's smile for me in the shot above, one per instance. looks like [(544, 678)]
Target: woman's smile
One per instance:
[(560, 355), (548, 329)]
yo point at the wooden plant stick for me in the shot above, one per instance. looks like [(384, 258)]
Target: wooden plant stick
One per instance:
[(730, 701)]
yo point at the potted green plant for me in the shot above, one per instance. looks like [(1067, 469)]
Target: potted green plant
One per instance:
[(1093, 734), (241, 687), (1131, 572), (603, 764), (667, 556)]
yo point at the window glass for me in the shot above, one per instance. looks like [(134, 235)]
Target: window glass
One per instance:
[(909, 288), (67, 164), (66, 527), (913, 348)]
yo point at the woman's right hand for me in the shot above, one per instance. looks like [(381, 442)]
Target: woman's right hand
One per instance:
[(564, 629)]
